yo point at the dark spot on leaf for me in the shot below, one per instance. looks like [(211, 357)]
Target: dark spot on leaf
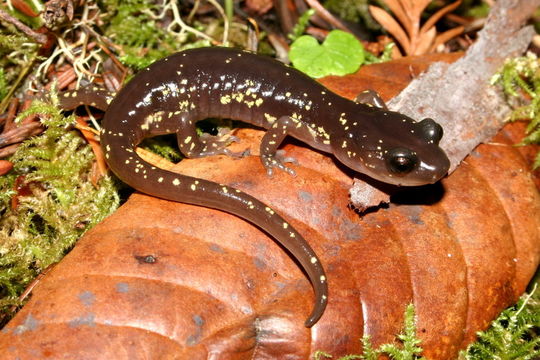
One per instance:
[(259, 263), (29, 324), (122, 287), (198, 320), (250, 284), (217, 248), (194, 339), (305, 196), (87, 319), (87, 298), (146, 259)]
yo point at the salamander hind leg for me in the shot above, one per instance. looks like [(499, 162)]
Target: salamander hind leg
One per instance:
[(271, 157), (217, 144), (194, 146)]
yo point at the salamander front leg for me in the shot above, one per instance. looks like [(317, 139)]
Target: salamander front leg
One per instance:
[(271, 157), (372, 98)]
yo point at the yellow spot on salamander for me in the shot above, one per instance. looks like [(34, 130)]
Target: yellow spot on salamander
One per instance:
[(238, 97), (295, 116), (183, 105), (270, 118), (291, 234), (313, 259), (176, 182), (258, 102), (225, 99), (160, 180), (285, 225), (187, 139), (322, 278)]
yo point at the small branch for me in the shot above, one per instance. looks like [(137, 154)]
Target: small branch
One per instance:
[(326, 15), (459, 96), (39, 38)]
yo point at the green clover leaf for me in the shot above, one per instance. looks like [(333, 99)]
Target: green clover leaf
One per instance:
[(340, 54)]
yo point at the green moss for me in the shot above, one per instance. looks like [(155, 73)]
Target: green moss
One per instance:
[(406, 348), (131, 25), (164, 146), (3, 85), (300, 27), (520, 80), (515, 334), (353, 10), (57, 205), (136, 27)]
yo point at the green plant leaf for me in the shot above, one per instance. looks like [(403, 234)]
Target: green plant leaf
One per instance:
[(340, 54)]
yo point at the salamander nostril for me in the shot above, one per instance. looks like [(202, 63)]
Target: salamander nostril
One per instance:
[(431, 131)]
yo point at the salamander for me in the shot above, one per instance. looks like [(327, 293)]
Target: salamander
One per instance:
[(172, 94)]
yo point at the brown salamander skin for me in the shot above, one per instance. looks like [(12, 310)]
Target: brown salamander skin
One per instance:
[(172, 94)]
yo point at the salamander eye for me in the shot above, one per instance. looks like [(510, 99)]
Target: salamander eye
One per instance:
[(401, 161), (431, 131)]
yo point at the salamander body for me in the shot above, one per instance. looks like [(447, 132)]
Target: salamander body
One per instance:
[(172, 94)]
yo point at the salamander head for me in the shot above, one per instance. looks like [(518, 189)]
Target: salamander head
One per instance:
[(394, 149)]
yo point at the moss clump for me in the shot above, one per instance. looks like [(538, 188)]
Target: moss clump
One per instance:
[(407, 347), (515, 334), (520, 80), (47, 202)]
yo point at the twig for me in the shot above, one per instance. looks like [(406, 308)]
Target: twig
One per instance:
[(326, 15), (39, 38), (459, 96)]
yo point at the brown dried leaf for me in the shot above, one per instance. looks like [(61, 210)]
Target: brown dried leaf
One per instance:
[(425, 41), (399, 11), (391, 25), (180, 281), (439, 14), (445, 36), (259, 6), (416, 40)]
